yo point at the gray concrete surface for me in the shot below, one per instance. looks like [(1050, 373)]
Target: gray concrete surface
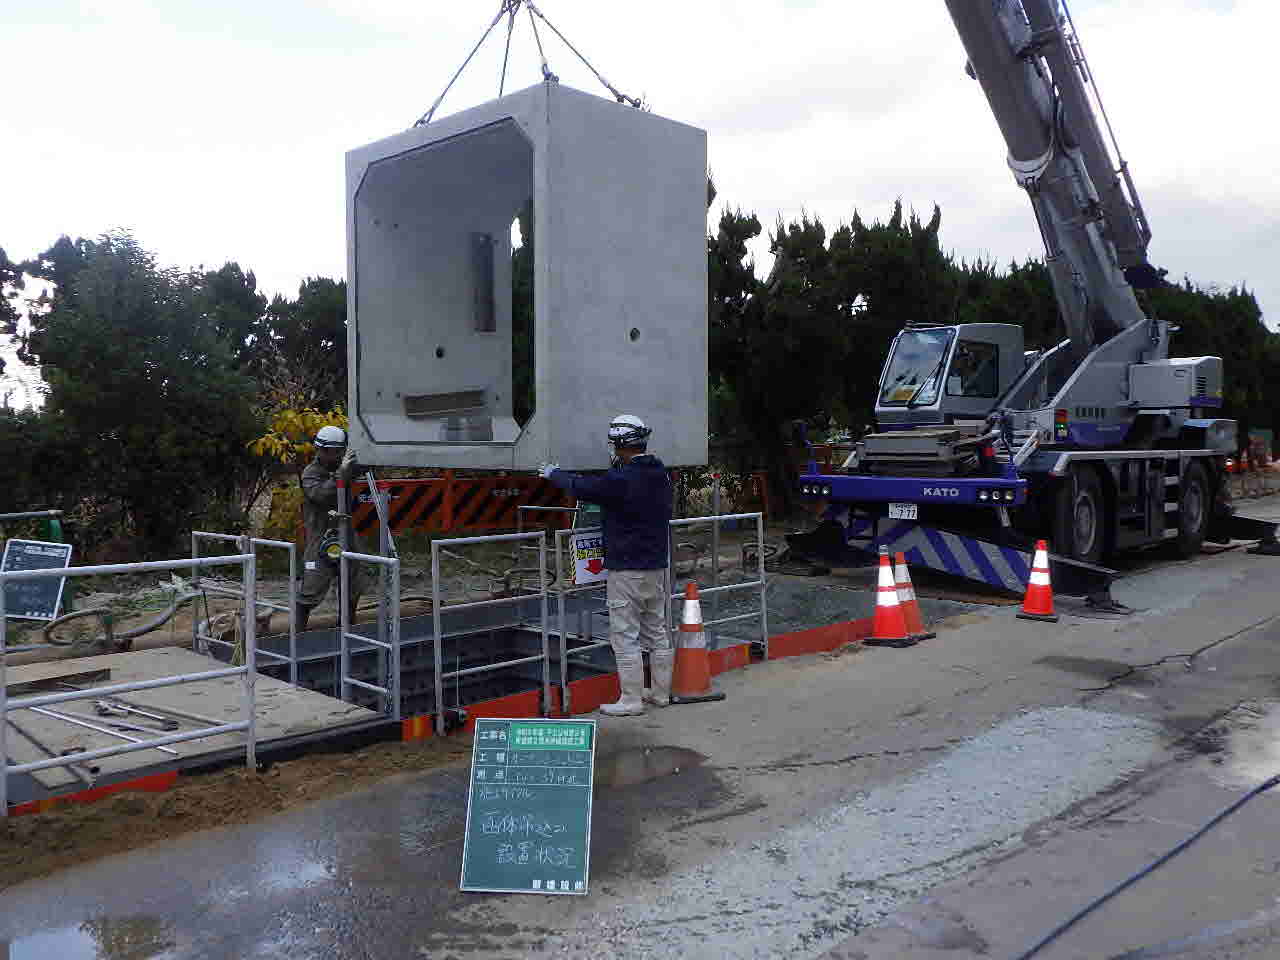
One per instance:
[(620, 284), (951, 800)]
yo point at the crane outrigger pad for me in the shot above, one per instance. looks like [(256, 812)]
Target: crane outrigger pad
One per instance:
[(1249, 528)]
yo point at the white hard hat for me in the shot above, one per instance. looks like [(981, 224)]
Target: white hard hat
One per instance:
[(627, 430), (331, 436)]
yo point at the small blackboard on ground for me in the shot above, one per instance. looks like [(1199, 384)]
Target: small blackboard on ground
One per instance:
[(37, 599), (529, 807)]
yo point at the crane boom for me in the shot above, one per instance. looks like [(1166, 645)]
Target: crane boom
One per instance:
[(1033, 74), (1125, 222)]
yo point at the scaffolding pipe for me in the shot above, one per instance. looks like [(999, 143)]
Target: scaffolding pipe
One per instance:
[(290, 610), (391, 692), (28, 514)]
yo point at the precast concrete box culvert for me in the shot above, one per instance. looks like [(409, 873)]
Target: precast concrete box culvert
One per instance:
[(618, 199)]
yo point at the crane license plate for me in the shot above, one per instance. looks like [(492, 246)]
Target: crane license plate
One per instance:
[(903, 511)]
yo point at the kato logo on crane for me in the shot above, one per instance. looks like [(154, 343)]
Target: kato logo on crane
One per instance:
[(940, 492)]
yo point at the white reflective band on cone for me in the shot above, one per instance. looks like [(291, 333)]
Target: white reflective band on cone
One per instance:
[(1039, 578), (887, 598), (692, 612), (691, 640)]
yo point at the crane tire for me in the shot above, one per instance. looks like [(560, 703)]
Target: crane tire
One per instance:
[(1080, 517), (1194, 504)]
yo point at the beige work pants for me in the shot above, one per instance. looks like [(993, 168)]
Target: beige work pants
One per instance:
[(637, 612), (319, 575)]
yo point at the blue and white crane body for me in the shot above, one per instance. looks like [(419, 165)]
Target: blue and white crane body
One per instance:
[(1099, 444)]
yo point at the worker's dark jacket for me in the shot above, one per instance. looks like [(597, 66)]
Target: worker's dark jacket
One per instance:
[(636, 498)]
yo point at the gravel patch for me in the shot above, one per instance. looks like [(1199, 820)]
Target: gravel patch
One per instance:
[(802, 605), (801, 890)]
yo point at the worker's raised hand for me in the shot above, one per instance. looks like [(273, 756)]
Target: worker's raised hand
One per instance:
[(348, 464), (547, 469)]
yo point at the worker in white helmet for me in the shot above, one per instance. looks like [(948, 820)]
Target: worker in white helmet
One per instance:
[(320, 495), (636, 500)]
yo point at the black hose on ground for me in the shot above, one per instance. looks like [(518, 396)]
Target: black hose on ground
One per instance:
[(1145, 871), (120, 641), (772, 556)]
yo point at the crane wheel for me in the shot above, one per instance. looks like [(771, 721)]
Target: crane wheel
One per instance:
[(1194, 504), (1080, 517)]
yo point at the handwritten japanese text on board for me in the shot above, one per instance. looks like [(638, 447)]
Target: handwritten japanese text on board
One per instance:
[(529, 808)]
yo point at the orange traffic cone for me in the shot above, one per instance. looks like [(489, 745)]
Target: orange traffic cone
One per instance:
[(907, 598), (691, 678), (890, 627), (1038, 603)]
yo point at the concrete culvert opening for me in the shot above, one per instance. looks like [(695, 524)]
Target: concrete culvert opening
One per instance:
[(433, 254)]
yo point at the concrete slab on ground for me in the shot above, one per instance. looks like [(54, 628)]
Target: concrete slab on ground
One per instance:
[(282, 711)]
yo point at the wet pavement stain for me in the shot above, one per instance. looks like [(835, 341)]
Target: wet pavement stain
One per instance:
[(1209, 740), (623, 840), (945, 930), (1244, 748), (1094, 667), (100, 938), (642, 764)]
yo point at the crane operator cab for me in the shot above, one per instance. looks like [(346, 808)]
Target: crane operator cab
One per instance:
[(942, 375)]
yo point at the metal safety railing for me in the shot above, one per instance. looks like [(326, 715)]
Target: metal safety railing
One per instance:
[(30, 514), (717, 590), (246, 544), (438, 629), (533, 508), (388, 649), (248, 671), (564, 588), (524, 509)]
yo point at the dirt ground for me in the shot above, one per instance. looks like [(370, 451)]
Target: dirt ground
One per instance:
[(38, 844)]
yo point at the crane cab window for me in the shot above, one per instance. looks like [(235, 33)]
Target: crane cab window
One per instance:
[(911, 377), (975, 370)]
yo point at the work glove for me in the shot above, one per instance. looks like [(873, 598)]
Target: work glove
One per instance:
[(348, 465), (547, 469)]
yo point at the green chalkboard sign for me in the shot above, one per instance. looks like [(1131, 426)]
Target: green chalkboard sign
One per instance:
[(529, 807), (39, 598)]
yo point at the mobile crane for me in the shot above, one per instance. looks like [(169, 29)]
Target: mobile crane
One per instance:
[(1099, 444)]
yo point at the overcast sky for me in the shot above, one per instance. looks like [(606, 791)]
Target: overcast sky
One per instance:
[(216, 132)]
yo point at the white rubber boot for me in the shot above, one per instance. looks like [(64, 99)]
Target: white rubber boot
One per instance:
[(660, 664), (631, 679)]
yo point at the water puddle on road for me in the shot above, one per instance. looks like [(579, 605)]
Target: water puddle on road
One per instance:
[(638, 765), (1244, 748), (104, 938)]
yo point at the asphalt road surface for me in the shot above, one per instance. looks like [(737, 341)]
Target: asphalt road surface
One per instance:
[(953, 800)]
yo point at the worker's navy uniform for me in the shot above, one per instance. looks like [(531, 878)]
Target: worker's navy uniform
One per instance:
[(636, 499)]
